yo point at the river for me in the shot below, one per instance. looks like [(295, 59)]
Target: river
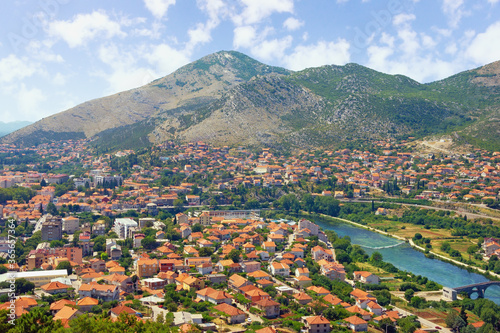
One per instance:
[(407, 259)]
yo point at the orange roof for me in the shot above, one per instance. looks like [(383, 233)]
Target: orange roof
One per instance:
[(354, 320), (66, 312), (58, 305), (54, 286), (317, 320), (228, 309), (302, 296), (87, 301)]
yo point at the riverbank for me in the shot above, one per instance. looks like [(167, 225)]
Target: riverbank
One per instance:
[(475, 269)]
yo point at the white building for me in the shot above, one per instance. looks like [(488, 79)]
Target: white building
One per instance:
[(39, 278), (70, 224), (122, 225)]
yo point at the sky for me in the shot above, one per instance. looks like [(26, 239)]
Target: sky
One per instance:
[(55, 54)]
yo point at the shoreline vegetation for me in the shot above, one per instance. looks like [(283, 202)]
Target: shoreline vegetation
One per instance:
[(472, 269)]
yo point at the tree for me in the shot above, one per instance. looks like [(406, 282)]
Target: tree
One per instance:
[(205, 252), (409, 294), (36, 321), (197, 228), (99, 243), (376, 257), (408, 324), (52, 209), (384, 297), (65, 265), (463, 315), (417, 302), (23, 286), (454, 322), (234, 255), (104, 256), (149, 243), (387, 325)]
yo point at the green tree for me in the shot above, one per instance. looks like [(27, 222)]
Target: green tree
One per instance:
[(409, 294), (234, 255), (23, 286), (104, 256), (408, 324), (376, 257), (205, 252), (454, 322), (52, 209), (387, 325), (65, 265), (149, 243), (38, 320)]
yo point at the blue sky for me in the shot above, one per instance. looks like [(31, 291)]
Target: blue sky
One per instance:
[(55, 54)]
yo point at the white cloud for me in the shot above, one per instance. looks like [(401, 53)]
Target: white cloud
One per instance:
[(158, 7), (244, 37), (427, 41), (84, 28), (292, 23), (493, 2), (29, 103), (454, 10), (272, 49), (257, 10), (321, 53), (403, 19), (483, 49), (166, 59), (451, 49), (260, 46), (13, 69), (59, 79), (202, 32), (124, 72)]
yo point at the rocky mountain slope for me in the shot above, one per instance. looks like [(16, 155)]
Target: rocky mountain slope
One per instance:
[(229, 98)]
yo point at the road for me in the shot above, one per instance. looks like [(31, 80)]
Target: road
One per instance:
[(424, 322)]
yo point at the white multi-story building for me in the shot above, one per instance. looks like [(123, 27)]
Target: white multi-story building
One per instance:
[(122, 225), (70, 224)]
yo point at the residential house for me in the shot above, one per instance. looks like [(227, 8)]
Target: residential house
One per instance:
[(317, 324), (237, 282), (250, 266), (55, 288), (280, 269), (269, 247), (270, 308), (105, 292), (234, 315), (366, 277), (302, 298), (147, 267), (356, 324), (87, 303)]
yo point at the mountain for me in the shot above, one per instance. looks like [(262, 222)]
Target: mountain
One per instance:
[(9, 127), (228, 98)]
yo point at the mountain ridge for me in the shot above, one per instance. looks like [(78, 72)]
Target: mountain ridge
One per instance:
[(230, 98)]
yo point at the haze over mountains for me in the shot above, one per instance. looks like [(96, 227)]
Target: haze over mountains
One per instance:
[(228, 98), (9, 127)]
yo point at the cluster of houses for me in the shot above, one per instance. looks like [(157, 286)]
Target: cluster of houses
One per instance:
[(491, 246), (259, 265), (477, 172)]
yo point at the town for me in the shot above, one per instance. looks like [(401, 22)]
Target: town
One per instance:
[(184, 234)]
